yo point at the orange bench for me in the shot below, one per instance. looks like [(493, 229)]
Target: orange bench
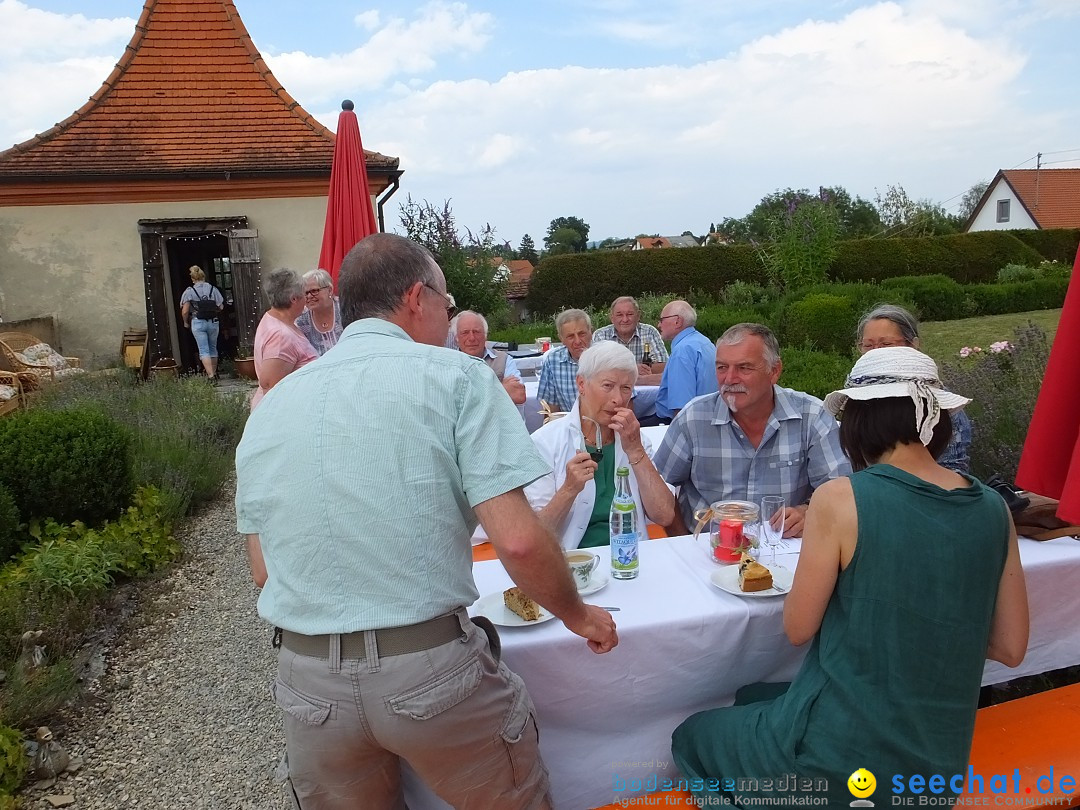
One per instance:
[(486, 551), (1033, 736)]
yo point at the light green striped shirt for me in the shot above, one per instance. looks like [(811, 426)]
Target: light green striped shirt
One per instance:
[(360, 472)]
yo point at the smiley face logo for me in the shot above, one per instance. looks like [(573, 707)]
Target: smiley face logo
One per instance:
[(861, 783)]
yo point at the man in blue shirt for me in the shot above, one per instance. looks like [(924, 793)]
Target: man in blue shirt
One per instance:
[(690, 370), (558, 374)]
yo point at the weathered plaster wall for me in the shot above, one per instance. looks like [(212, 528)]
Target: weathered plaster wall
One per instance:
[(83, 263)]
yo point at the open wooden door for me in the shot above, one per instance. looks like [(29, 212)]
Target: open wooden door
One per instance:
[(247, 286)]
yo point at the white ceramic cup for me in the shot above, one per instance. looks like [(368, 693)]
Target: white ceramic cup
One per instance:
[(582, 564)]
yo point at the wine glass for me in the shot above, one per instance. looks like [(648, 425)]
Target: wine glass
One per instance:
[(772, 536)]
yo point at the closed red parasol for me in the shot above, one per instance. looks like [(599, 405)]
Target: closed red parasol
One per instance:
[(349, 213), (1050, 464)]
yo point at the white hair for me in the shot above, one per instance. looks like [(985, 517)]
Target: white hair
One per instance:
[(607, 355), (684, 311), (320, 277), (454, 322)]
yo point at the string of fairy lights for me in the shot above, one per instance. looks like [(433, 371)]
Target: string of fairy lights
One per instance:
[(154, 261)]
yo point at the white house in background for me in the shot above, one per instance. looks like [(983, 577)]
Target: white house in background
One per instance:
[(1029, 198)]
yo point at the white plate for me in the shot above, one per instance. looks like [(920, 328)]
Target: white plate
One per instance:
[(598, 582), (727, 579), (495, 609)]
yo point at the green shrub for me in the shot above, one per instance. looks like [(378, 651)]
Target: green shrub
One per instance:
[(78, 560), (968, 258), (1017, 272), (1056, 270), (814, 372), (825, 321), (184, 433), (936, 297), (9, 526), (13, 760), (1020, 296), (746, 295), (1003, 389), (597, 278), (714, 321), (68, 465), (1055, 244)]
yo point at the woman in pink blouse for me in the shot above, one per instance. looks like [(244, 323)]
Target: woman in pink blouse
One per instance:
[(280, 348)]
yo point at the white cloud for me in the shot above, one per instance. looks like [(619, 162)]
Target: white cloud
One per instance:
[(43, 35), (879, 89), (50, 64), (368, 20), (398, 48)]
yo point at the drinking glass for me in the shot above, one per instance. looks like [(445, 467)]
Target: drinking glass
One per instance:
[(771, 536)]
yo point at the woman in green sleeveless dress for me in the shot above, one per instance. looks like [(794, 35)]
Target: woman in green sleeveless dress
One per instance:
[(908, 579)]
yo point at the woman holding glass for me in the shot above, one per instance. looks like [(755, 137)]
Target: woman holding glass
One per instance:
[(280, 348), (586, 447), (909, 578), (321, 319)]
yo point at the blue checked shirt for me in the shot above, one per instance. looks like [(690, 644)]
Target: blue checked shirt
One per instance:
[(643, 332), (707, 454), (558, 379)]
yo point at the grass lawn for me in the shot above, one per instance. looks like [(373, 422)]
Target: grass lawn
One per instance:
[(943, 339)]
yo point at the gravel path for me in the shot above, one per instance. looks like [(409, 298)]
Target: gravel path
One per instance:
[(182, 717)]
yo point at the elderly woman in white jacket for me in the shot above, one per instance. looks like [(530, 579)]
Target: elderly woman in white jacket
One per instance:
[(575, 499)]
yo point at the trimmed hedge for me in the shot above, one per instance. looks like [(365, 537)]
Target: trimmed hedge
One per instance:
[(1055, 245), (1019, 296), (814, 372), (936, 298), (596, 278), (969, 258), (67, 465)]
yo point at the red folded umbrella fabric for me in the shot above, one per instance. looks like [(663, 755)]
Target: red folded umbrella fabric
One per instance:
[(349, 213), (1050, 463)]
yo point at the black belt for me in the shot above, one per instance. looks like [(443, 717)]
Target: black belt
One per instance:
[(205, 319), (389, 641)]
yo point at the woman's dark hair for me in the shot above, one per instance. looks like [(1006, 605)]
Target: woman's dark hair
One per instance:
[(869, 428)]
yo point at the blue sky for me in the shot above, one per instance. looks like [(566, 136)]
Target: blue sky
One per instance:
[(638, 117)]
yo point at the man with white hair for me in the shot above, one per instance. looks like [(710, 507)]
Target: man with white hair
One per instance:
[(689, 370), (751, 438), (558, 373), (471, 331)]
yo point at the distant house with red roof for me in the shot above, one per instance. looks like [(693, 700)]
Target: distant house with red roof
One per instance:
[(1029, 198), (191, 152)]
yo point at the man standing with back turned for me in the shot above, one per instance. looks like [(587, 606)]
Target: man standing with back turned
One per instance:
[(357, 481)]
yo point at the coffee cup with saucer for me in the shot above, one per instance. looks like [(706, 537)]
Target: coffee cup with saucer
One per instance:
[(585, 567)]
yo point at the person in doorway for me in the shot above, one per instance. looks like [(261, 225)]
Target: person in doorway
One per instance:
[(321, 319), (280, 348), (200, 306)]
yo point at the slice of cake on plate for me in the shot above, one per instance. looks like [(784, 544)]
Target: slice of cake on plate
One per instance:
[(753, 576), (522, 605)]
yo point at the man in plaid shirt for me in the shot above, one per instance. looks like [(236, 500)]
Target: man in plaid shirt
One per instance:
[(752, 438), (558, 373), (627, 328)]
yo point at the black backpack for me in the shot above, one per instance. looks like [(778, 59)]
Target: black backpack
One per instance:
[(205, 309)]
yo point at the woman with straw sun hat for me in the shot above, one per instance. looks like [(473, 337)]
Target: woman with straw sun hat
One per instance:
[(909, 578)]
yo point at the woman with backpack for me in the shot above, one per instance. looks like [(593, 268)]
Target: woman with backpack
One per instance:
[(200, 306)]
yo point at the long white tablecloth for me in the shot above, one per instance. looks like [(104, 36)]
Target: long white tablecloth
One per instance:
[(685, 646)]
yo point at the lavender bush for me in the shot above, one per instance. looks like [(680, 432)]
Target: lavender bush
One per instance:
[(1003, 384)]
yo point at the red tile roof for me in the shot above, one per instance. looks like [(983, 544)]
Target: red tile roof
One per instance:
[(191, 94), (652, 242), (1051, 196)]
